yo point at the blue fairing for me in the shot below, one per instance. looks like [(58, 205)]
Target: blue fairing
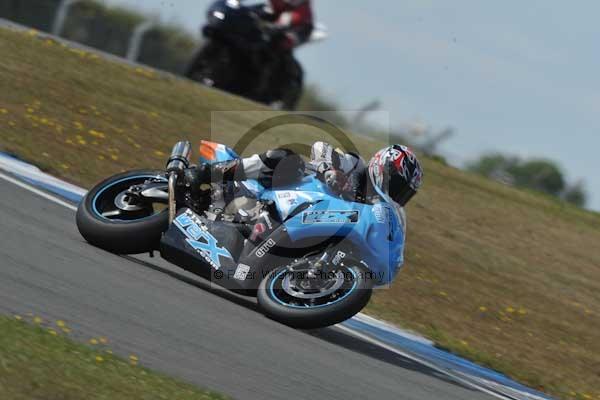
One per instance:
[(375, 230)]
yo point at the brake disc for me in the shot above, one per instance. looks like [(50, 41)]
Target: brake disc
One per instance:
[(295, 289), (123, 201)]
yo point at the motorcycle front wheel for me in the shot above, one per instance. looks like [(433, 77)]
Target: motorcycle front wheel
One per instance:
[(110, 218), (297, 300)]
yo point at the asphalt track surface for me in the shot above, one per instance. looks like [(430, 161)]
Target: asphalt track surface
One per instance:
[(181, 325)]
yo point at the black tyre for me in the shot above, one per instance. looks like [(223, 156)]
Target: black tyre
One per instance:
[(291, 304), (133, 231)]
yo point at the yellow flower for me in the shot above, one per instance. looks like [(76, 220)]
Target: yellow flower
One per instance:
[(154, 114), (30, 110), (483, 309), (52, 332), (82, 142), (522, 311), (99, 359), (32, 32), (64, 166), (66, 330), (3, 111), (133, 358), (18, 317), (464, 343), (100, 157), (12, 124), (443, 294), (159, 153), (38, 320), (97, 134), (114, 157), (93, 341), (49, 42), (60, 324), (103, 340), (510, 310)]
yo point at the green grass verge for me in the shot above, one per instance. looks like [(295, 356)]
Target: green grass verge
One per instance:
[(505, 277), (38, 363)]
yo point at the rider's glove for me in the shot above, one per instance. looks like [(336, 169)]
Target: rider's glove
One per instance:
[(335, 180), (331, 176)]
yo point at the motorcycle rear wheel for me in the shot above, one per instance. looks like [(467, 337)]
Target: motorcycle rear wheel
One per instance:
[(133, 231)]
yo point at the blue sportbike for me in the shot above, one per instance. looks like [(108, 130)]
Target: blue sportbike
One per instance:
[(310, 257)]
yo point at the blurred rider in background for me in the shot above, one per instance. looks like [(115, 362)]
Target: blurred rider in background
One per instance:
[(290, 24)]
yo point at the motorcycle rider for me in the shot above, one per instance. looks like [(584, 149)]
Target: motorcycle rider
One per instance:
[(292, 22), (290, 25), (393, 172)]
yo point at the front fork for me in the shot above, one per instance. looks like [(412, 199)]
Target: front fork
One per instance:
[(172, 200), (322, 265)]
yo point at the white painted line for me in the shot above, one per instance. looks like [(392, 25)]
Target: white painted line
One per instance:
[(38, 192), (18, 167), (382, 325), (434, 367)]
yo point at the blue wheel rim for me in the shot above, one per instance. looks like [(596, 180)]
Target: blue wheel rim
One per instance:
[(113, 184), (274, 296)]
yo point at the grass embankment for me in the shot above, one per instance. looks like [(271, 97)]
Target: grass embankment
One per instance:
[(508, 278), (39, 363)]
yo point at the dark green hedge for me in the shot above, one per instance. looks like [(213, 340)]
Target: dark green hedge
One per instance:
[(106, 28), (38, 14)]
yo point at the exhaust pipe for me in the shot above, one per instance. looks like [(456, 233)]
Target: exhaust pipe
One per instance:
[(180, 157)]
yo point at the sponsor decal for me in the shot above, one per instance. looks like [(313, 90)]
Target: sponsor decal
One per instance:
[(381, 213), (268, 221), (241, 272), (287, 196), (330, 217), (201, 240), (338, 257), (264, 248)]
